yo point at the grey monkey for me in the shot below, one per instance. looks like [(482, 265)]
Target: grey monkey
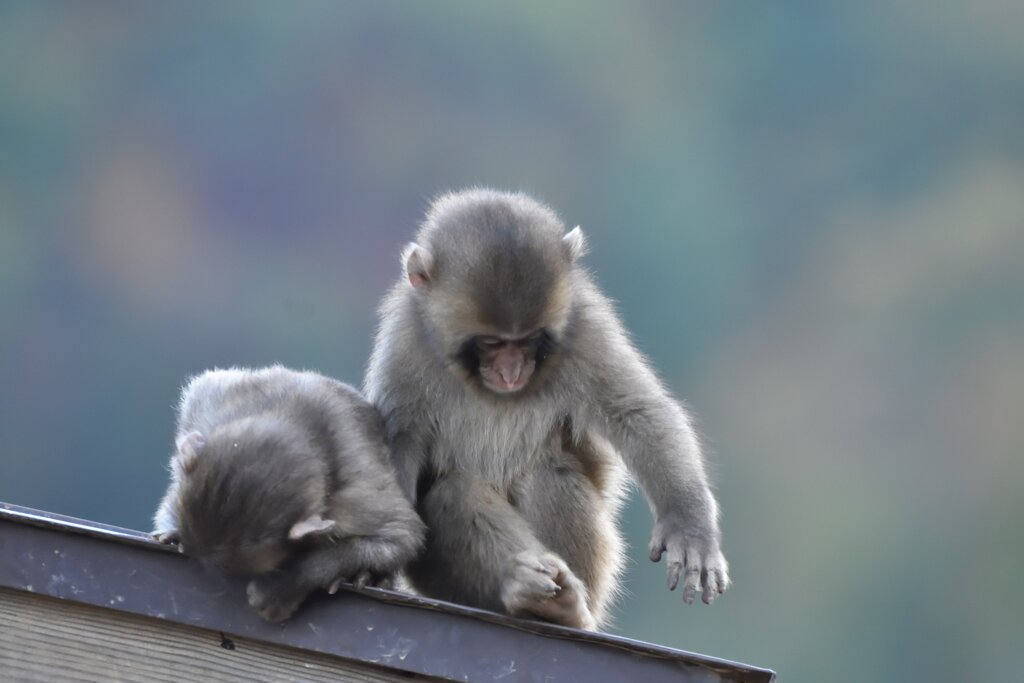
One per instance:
[(512, 399), (284, 477)]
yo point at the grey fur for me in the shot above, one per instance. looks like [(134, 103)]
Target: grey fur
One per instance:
[(510, 484), (284, 452)]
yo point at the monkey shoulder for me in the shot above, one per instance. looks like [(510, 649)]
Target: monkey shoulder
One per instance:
[(341, 393), (210, 397)]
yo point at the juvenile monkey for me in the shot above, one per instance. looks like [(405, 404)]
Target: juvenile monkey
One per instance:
[(284, 477), (512, 397)]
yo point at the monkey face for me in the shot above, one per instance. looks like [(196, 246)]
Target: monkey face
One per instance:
[(249, 559), (485, 333), (505, 366), (238, 546), (492, 275)]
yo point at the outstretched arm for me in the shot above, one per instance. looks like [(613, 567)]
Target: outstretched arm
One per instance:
[(655, 437)]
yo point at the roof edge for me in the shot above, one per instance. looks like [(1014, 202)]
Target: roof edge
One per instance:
[(126, 570)]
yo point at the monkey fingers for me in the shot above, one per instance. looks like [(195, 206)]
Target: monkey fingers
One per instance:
[(374, 580), (694, 569), (674, 568), (363, 579), (662, 541), (658, 542), (709, 586), (385, 582), (544, 587), (531, 581), (167, 536), (569, 607), (715, 578), (691, 556), (675, 562)]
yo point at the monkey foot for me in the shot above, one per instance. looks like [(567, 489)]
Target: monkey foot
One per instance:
[(541, 585)]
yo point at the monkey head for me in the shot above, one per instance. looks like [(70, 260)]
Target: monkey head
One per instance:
[(249, 494), (492, 273)]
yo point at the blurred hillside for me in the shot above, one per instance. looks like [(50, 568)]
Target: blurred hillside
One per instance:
[(811, 215)]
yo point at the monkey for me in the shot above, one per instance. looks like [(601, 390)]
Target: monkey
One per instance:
[(284, 477), (515, 406)]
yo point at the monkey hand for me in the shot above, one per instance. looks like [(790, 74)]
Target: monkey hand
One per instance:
[(363, 579), (167, 536), (274, 597), (542, 585), (694, 552)]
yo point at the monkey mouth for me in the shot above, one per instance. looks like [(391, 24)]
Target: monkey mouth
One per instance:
[(502, 383)]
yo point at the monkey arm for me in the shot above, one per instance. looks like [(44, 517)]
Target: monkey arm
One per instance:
[(165, 521), (361, 560), (408, 458), (655, 437), (374, 533), (400, 411), (357, 559)]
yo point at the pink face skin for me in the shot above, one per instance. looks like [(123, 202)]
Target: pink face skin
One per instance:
[(505, 366)]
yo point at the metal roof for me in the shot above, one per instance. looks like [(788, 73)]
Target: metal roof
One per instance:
[(124, 570)]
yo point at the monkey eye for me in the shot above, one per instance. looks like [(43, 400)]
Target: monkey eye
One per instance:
[(490, 342), (531, 340)]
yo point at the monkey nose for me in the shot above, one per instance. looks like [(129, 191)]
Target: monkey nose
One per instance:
[(510, 372), (509, 375)]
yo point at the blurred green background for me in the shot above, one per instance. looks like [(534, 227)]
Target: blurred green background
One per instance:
[(811, 215)]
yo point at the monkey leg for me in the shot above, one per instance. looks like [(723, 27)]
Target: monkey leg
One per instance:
[(481, 552), (568, 514)]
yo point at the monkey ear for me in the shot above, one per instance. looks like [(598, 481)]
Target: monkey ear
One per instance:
[(314, 524), (418, 264), (575, 244), (189, 447)]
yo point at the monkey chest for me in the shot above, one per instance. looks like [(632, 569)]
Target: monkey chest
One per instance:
[(497, 446)]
